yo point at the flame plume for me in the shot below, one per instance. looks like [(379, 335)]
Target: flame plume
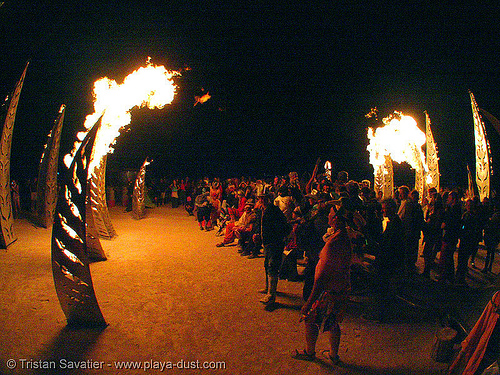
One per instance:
[(151, 86), (400, 139)]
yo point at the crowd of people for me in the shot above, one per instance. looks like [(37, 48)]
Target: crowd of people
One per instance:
[(331, 225), (336, 228)]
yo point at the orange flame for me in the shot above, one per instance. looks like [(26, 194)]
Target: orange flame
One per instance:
[(151, 86), (201, 99), (400, 138)]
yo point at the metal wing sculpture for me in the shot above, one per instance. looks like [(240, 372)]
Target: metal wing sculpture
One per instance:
[(70, 258), (46, 197), (7, 236), (97, 194)]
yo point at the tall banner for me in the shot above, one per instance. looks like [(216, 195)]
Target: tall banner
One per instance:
[(431, 156), (46, 197), (7, 236), (420, 180), (483, 163)]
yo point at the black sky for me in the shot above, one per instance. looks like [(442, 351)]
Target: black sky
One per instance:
[(289, 82)]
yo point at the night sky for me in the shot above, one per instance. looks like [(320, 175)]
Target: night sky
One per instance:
[(290, 82)]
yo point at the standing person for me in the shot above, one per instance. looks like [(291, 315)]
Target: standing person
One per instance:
[(174, 188), (182, 192), (413, 231), (491, 237), (328, 299), (410, 213), (451, 232), (312, 227), (285, 202), (470, 235), (274, 229), (203, 208), (433, 232), (388, 262), (294, 187)]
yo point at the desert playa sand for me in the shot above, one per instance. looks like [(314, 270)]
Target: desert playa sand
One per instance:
[(172, 298)]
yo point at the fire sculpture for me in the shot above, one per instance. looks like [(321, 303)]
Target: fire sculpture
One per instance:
[(70, 259), (99, 208), (7, 236), (483, 163), (432, 178), (138, 204), (46, 197), (151, 86), (398, 140)]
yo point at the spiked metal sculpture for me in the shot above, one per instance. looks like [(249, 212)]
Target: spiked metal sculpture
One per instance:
[(46, 197), (7, 236), (138, 204), (70, 258), (431, 156), (100, 213), (94, 248)]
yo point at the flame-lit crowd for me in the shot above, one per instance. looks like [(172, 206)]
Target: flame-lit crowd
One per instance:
[(385, 238), (435, 227)]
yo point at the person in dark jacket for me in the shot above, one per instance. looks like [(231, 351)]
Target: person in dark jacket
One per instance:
[(388, 261), (470, 235), (274, 229), (413, 219), (432, 232), (451, 232), (492, 237)]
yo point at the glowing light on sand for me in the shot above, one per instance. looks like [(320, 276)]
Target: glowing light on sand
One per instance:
[(151, 86), (400, 138)]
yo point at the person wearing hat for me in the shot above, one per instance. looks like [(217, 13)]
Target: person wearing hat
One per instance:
[(274, 229), (253, 246), (239, 228)]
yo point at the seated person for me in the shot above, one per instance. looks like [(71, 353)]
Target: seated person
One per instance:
[(239, 228)]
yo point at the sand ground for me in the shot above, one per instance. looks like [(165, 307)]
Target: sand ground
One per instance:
[(171, 298)]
